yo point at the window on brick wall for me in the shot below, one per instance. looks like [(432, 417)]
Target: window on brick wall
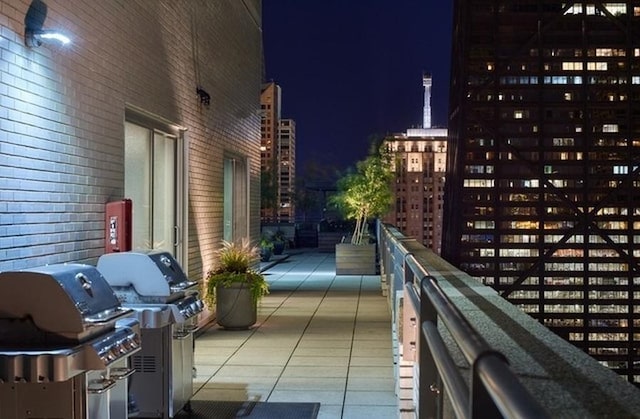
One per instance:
[(151, 182), (235, 213)]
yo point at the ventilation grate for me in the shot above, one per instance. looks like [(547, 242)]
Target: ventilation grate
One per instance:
[(145, 363)]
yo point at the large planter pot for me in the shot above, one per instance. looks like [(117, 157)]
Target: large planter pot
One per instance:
[(352, 259), (235, 310), (265, 254), (278, 247)]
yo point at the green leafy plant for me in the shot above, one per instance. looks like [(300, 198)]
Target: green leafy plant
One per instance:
[(235, 261), (266, 243), (279, 236), (366, 193)]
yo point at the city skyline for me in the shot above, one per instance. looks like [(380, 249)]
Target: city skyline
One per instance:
[(352, 71)]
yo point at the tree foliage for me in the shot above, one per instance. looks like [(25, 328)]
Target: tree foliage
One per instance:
[(268, 190), (366, 193)]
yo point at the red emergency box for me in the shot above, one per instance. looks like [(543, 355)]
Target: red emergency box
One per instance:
[(118, 226)]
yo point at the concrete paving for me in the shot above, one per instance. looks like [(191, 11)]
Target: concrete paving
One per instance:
[(320, 337)]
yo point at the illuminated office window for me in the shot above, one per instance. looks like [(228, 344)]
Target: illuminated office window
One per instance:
[(572, 66)]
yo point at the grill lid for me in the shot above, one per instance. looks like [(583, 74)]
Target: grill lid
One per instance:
[(151, 274), (65, 300)]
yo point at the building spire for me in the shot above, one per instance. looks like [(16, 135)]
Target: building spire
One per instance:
[(426, 82)]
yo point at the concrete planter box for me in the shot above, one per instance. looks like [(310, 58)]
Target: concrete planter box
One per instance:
[(354, 259), (327, 240)]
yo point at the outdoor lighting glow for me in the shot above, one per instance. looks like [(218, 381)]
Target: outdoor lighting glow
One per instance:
[(56, 36), (35, 38)]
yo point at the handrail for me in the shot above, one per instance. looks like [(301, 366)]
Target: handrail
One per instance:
[(495, 390)]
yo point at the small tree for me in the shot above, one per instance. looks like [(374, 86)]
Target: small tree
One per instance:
[(366, 193), (268, 193)]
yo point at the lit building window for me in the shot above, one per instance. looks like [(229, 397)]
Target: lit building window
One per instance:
[(610, 128), (484, 225), (616, 9), (597, 66), (576, 9), (572, 66), (563, 141), (620, 170), (478, 183), (487, 252)]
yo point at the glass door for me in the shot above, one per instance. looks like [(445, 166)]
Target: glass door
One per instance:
[(150, 183)]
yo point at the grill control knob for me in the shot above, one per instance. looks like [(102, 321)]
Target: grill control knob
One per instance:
[(165, 261), (114, 353), (126, 344)]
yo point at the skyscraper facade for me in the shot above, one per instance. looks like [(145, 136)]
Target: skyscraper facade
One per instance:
[(542, 200), (287, 175), (270, 104), (419, 165)]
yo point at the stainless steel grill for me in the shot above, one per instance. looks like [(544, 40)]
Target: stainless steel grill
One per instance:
[(167, 305), (65, 341)]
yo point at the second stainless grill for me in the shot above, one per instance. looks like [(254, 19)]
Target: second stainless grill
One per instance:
[(167, 304)]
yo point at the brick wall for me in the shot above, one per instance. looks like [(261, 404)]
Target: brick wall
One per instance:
[(62, 116)]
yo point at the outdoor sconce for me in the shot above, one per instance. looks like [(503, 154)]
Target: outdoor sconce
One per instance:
[(34, 38), (205, 99), (34, 35)]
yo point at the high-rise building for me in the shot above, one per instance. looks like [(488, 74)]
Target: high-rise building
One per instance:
[(542, 200), (270, 103), (287, 178), (419, 156), (277, 158)]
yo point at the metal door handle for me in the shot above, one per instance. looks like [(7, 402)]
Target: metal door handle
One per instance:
[(191, 328), (181, 336), (121, 373), (106, 385)]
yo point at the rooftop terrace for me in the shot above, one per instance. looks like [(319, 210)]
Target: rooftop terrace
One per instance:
[(333, 339)]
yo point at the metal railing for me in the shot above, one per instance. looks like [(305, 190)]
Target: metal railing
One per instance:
[(495, 391)]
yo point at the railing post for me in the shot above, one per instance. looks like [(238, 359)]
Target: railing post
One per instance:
[(482, 405), (429, 391)]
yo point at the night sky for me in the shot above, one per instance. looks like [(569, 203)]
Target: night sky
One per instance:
[(351, 69)]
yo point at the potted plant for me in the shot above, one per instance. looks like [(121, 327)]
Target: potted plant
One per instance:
[(266, 249), (279, 242), (233, 287), (363, 195)]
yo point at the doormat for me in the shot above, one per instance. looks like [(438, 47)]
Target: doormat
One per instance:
[(209, 409)]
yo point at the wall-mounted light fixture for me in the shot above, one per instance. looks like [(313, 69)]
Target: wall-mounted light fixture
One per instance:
[(34, 35), (205, 99), (36, 38)]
